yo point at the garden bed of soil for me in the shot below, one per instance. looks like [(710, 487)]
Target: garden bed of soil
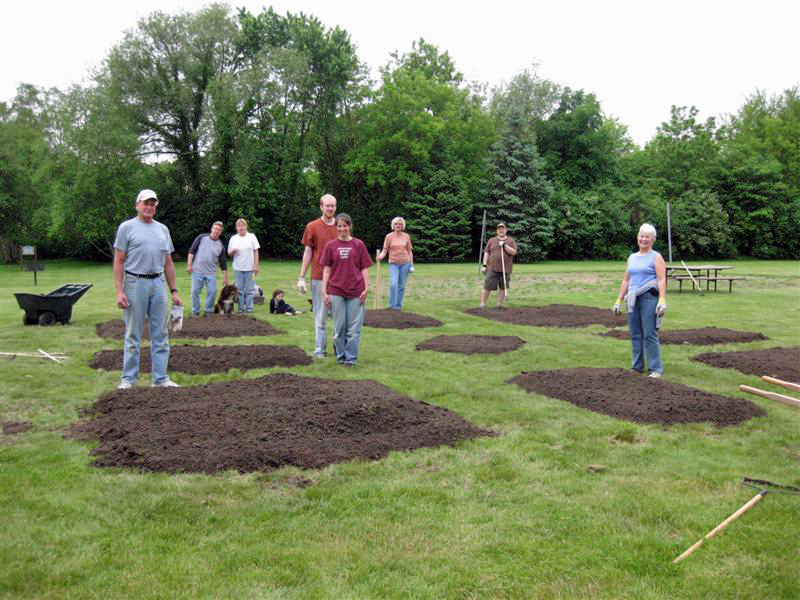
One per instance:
[(551, 315), (635, 397), (15, 427), (198, 327), (781, 363), (261, 424), (199, 360), (704, 336), (472, 344), (388, 318)]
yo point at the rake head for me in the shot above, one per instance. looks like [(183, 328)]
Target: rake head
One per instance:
[(770, 487)]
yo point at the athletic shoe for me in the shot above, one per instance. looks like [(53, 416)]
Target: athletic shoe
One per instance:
[(482, 306), (165, 383), (124, 385), (655, 375)]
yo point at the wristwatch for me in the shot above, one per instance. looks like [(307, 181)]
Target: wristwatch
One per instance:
[(173, 290)]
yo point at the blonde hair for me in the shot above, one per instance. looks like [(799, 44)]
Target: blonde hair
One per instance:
[(399, 220), (244, 221)]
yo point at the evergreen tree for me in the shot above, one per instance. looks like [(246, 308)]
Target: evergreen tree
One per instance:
[(518, 193), (440, 215)]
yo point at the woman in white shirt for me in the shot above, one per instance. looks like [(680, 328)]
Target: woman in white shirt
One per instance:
[(243, 247)]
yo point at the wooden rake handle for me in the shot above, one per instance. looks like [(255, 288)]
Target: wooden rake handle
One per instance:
[(750, 504)]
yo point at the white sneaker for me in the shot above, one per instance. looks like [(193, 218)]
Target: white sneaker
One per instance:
[(655, 375), (165, 383), (124, 385)]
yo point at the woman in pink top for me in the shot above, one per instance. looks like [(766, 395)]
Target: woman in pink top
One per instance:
[(401, 261)]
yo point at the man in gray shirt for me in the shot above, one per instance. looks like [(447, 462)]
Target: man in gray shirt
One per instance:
[(142, 260), (206, 252)]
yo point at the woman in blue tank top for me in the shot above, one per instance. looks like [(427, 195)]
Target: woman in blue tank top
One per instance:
[(644, 288)]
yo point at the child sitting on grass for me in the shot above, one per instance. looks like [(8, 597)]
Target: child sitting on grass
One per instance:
[(278, 306)]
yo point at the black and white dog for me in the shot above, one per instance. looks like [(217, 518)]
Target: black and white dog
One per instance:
[(227, 298)]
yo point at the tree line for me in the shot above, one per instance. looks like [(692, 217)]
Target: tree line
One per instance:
[(230, 114)]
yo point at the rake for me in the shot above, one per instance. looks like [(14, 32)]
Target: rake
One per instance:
[(764, 488)]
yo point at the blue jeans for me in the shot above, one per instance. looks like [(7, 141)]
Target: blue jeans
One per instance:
[(348, 316), (320, 318), (148, 302), (244, 283), (398, 275), (644, 338), (198, 281)]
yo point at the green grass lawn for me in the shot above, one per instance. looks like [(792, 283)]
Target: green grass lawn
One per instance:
[(516, 516)]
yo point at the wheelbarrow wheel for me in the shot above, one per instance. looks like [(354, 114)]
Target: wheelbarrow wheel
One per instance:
[(47, 318)]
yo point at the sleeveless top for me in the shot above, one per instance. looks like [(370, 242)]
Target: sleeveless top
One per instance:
[(641, 269)]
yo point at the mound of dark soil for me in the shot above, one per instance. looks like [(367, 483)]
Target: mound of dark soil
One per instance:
[(634, 397), (704, 336), (388, 318), (472, 344), (781, 363), (15, 427), (264, 423), (198, 327), (211, 359), (552, 315)]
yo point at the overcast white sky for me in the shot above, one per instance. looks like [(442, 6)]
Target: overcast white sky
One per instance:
[(638, 56)]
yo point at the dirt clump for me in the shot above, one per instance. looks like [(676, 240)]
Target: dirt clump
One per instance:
[(472, 344), (15, 427), (199, 360), (635, 397), (551, 315), (704, 336), (198, 328), (261, 424), (388, 318), (781, 363)]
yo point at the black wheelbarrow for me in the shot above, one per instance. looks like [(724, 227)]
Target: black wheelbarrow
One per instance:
[(55, 306)]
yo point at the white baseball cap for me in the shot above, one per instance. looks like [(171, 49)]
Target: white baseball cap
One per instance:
[(146, 195)]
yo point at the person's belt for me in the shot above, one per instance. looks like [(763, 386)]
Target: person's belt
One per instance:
[(145, 275)]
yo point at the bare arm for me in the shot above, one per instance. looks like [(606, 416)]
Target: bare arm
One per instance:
[(119, 274), (365, 275), (385, 248), (307, 254), (189, 261), (410, 252), (255, 261), (623, 287), (661, 276), (169, 275), (326, 275), (512, 250)]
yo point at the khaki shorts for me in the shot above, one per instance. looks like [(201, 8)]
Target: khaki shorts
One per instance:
[(494, 280)]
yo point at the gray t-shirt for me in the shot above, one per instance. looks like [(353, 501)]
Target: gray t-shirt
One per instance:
[(145, 245), (208, 254)]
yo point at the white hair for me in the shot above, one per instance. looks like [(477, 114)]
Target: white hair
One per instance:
[(648, 229), (400, 220)]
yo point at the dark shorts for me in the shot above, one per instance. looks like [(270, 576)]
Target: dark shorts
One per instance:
[(494, 280)]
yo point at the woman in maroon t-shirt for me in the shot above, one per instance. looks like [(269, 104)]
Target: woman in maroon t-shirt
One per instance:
[(345, 283)]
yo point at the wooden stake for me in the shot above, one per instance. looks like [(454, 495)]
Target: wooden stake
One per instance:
[(55, 354), (787, 384), (752, 502), (788, 400)]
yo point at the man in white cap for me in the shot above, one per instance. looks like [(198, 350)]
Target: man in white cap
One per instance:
[(142, 261)]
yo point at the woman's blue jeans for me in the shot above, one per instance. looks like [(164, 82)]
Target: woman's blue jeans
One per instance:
[(348, 316), (244, 284), (644, 337), (398, 275)]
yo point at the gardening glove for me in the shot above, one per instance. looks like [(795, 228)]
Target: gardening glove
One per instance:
[(411, 270), (661, 309), (502, 243), (617, 308), (483, 269), (176, 318), (301, 285)]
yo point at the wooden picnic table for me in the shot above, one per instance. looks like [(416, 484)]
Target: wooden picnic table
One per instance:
[(673, 272)]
